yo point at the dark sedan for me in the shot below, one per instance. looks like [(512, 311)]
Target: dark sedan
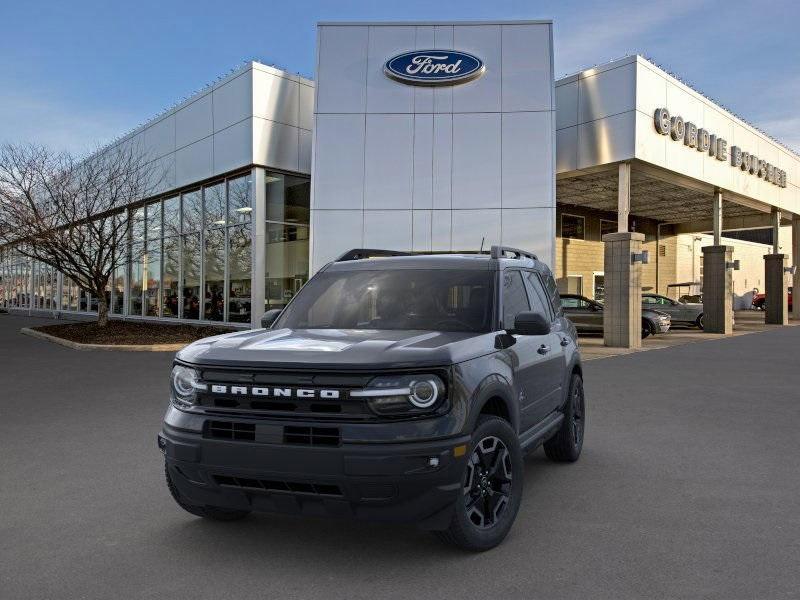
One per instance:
[(587, 316)]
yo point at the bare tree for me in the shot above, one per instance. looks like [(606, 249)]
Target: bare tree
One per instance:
[(70, 213)]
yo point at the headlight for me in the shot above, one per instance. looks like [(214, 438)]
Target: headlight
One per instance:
[(400, 395), (185, 383)]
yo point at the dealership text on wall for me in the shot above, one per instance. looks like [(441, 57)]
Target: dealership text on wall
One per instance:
[(703, 141)]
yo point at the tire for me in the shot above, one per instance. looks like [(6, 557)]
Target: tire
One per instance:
[(207, 512), (647, 329), (567, 443), (486, 510), (700, 321)]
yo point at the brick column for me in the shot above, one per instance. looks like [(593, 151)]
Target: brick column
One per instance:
[(776, 289), (717, 290), (622, 312)]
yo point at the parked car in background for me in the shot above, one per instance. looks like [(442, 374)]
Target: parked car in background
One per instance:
[(681, 313), (760, 300), (587, 316)]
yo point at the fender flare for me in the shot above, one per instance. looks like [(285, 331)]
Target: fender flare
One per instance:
[(494, 386)]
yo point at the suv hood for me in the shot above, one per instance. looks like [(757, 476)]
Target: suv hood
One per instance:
[(355, 349)]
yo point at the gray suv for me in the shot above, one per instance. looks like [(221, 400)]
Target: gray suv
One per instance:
[(681, 313), (400, 388)]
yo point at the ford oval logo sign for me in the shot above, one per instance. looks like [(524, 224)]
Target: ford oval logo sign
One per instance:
[(434, 67)]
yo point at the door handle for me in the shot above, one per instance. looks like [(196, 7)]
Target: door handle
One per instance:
[(543, 349), (565, 341)]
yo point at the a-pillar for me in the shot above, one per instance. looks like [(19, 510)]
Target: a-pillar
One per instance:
[(796, 263), (717, 289), (622, 313)]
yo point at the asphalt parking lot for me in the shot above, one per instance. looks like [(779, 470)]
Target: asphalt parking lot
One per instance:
[(688, 488)]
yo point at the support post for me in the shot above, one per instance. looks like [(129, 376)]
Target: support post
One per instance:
[(259, 246), (776, 289), (796, 263), (717, 217), (717, 287), (776, 231), (623, 197), (622, 313)]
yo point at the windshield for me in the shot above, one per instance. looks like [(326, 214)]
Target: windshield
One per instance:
[(439, 300)]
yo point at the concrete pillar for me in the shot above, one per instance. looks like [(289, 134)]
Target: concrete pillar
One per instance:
[(623, 197), (717, 290), (796, 263), (776, 231), (776, 289), (622, 313), (717, 218), (259, 246)]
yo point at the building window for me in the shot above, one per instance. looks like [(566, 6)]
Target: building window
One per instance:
[(214, 269), (599, 287), (288, 200), (607, 227), (170, 276), (571, 284), (152, 278), (573, 227), (191, 276), (192, 214), (240, 274), (135, 279)]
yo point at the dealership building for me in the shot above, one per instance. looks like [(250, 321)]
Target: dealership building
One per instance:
[(448, 137)]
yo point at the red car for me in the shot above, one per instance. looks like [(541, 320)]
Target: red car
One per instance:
[(760, 300)]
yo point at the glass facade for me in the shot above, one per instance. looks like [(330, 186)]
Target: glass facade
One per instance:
[(190, 256), (288, 217)]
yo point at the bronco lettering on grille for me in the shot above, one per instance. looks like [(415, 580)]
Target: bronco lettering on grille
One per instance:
[(275, 392)]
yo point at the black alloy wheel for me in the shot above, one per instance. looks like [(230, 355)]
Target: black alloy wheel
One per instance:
[(491, 488), (487, 486), (578, 412), (567, 443)]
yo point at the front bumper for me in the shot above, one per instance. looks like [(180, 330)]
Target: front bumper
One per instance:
[(412, 482)]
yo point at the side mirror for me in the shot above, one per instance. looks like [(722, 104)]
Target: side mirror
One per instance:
[(531, 323), (270, 317)]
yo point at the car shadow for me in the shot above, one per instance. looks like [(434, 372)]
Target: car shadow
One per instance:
[(265, 538)]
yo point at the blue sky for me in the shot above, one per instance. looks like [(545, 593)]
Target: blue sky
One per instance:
[(75, 74)]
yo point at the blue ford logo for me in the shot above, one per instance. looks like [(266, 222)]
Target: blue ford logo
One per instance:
[(434, 67)]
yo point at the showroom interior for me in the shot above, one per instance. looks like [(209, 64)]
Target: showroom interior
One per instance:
[(606, 163)]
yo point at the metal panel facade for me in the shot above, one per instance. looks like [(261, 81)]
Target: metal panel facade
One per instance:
[(433, 168), (606, 114)]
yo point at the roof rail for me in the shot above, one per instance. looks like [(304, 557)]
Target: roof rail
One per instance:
[(501, 251), (362, 253)]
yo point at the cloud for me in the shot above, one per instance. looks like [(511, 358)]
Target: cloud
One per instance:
[(39, 117)]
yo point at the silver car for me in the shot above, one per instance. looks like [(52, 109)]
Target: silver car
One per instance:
[(587, 316), (682, 313)]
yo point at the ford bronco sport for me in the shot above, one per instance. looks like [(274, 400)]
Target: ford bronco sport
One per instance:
[(392, 388)]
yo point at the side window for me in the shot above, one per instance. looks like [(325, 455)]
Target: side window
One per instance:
[(537, 295), (515, 299)]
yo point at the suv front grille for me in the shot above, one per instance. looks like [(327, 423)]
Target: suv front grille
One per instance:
[(232, 392), (292, 487), (312, 436)]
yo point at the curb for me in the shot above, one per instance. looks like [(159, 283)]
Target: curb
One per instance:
[(123, 347)]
